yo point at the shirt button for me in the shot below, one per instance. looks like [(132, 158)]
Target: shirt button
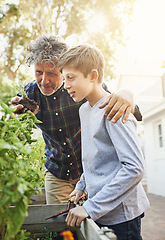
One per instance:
[(62, 90), (60, 130), (68, 155), (54, 98), (56, 113), (64, 143), (67, 174), (71, 164), (68, 171)]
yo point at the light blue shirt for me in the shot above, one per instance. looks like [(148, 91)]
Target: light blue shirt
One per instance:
[(113, 167)]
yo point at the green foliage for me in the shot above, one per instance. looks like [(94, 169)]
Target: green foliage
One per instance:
[(48, 234), (15, 35), (44, 17), (20, 88), (7, 91), (17, 177), (22, 235), (36, 162)]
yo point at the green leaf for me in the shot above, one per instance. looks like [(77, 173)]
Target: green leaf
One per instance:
[(19, 212), (22, 188), (4, 200), (5, 145)]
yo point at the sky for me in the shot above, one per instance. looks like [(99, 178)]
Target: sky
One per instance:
[(145, 50)]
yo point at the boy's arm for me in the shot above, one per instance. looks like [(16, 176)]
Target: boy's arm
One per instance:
[(78, 214), (121, 103), (126, 144), (81, 185)]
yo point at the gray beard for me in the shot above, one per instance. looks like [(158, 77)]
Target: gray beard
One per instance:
[(49, 94)]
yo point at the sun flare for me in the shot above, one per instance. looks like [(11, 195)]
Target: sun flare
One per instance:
[(96, 24), (145, 50)]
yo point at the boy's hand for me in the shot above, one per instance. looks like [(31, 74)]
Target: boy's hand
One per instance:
[(118, 103), (77, 194), (76, 216)]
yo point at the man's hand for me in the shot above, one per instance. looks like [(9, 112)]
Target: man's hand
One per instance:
[(118, 103), (75, 217), (15, 103)]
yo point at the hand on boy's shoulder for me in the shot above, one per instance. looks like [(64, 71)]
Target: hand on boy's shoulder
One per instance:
[(118, 105)]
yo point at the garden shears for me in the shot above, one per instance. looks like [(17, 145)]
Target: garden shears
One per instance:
[(63, 213)]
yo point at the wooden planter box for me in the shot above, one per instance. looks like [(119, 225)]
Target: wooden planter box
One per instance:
[(35, 222), (39, 211)]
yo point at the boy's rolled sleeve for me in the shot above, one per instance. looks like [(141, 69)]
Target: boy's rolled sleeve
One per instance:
[(81, 185)]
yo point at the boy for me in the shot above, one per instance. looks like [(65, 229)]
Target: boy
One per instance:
[(111, 156)]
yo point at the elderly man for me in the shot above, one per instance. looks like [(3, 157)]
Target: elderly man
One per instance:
[(60, 119)]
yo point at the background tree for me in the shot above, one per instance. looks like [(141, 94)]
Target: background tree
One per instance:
[(23, 21)]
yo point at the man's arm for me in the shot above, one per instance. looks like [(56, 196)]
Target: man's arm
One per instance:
[(119, 103)]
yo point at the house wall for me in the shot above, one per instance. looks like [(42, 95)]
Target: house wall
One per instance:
[(154, 152), (147, 89), (149, 93)]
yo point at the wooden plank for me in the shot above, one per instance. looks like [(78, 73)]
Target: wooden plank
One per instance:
[(90, 230), (35, 221), (38, 213)]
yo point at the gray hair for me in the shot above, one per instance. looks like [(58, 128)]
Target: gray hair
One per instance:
[(45, 49)]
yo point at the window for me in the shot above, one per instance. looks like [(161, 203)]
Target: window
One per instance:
[(160, 136), (158, 139)]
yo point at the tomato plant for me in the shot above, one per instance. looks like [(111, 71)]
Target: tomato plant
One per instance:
[(17, 177)]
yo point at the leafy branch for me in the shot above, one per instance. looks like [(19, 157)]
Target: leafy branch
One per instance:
[(16, 177)]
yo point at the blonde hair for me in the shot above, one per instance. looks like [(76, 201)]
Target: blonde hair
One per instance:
[(83, 58)]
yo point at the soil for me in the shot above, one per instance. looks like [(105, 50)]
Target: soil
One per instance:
[(28, 105)]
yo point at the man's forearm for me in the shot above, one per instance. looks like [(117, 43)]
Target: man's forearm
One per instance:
[(137, 113)]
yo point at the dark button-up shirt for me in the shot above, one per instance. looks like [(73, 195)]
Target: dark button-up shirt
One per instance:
[(61, 131)]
